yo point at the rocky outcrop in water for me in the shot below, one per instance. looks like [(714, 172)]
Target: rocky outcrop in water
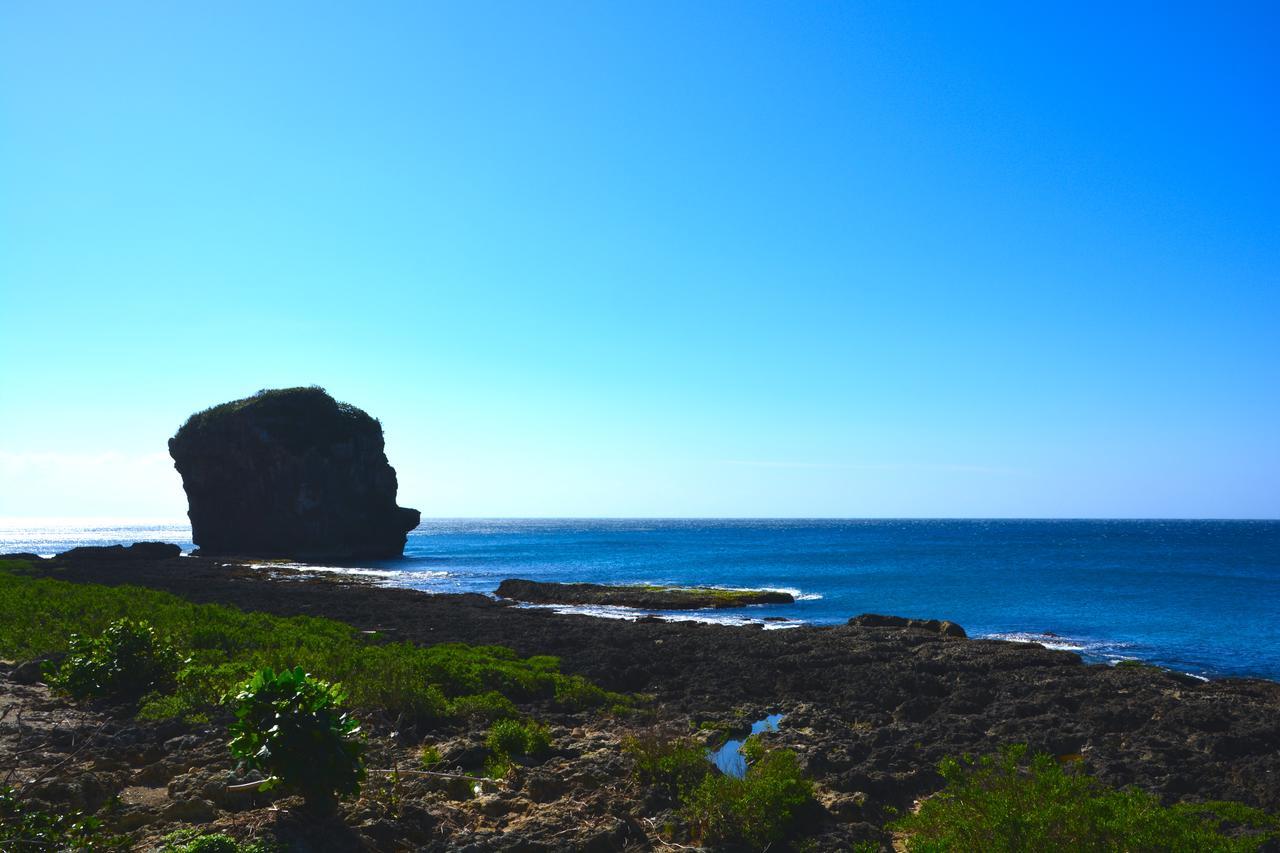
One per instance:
[(643, 597), (111, 553), (936, 626), (290, 473)]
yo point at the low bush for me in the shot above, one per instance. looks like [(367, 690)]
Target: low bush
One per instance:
[(429, 756), (757, 810), (1012, 802), (673, 765), (514, 739), (292, 727), (128, 660), (483, 707)]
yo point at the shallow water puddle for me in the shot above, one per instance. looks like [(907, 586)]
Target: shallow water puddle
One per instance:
[(729, 758)]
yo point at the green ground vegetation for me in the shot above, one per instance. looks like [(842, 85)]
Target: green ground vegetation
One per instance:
[(223, 646), (195, 840), (25, 827), (1015, 802)]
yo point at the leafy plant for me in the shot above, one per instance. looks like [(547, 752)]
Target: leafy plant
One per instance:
[(1009, 802), (23, 827), (291, 726), (127, 661), (757, 810)]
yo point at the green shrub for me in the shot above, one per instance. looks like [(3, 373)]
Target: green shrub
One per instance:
[(512, 739), (757, 810), (291, 726), (673, 765), (1008, 802), (429, 756), (127, 661), (483, 707), (24, 827)]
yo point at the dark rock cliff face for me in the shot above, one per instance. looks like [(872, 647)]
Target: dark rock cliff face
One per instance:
[(290, 473)]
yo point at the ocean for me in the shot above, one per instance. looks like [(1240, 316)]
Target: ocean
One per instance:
[(1201, 597)]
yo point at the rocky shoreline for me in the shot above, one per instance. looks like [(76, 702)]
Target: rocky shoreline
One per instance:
[(871, 707)]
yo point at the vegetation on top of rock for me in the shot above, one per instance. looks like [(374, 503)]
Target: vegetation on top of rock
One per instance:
[(224, 645), (1009, 802), (127, 660), (288, 405), (292, 727)]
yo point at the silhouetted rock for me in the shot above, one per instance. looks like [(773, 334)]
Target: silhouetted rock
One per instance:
[(291, 473), (136, 551), (638, 596)]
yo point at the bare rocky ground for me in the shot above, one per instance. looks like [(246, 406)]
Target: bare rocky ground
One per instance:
[(870, 710), (148, 780)]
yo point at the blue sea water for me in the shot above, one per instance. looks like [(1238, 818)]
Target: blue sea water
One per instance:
[(1198, 596)]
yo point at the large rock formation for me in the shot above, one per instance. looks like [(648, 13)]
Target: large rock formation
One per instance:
[(290, 473)]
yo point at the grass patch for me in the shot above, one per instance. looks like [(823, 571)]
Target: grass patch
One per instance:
[(1012, 802), (224, 645)]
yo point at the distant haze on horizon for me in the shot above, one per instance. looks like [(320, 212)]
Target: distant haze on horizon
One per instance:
[(657, 260)]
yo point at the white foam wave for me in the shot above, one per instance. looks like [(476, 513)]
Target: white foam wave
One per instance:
[(348, 570), (1108, 651), (791, 590), (1049, 641), (631, 614)]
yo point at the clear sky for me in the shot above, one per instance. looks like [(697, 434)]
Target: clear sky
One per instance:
[(672, 259)]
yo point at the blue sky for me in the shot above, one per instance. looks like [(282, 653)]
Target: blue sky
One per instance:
[(660, 259)]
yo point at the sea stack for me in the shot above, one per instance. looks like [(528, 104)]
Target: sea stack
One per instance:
[(290, 473)]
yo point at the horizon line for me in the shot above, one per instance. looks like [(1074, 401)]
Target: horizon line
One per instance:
[(161, 521)]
